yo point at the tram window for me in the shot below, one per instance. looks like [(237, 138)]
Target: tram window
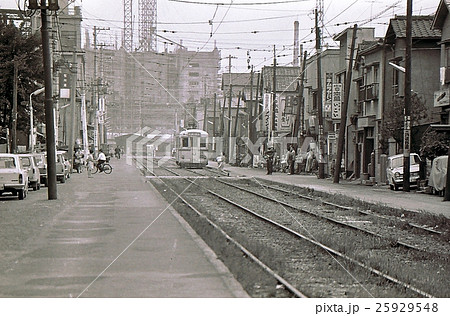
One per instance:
[(185, 142), (203, 142)]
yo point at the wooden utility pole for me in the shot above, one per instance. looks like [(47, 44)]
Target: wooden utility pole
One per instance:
[(274, 94), (14, 109), (49, 109), (343, 124), (237, 115), (250, 118), (299, 117), (407, 125), (319, 99), (214, 114)]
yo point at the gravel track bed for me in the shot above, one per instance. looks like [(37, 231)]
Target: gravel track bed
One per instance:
[(301, 263), (391, 228), (381, 254)]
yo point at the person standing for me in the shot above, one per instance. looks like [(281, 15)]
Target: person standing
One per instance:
[(117, 151), (269, 154), (90, 163), (291, 159), (221, 161)]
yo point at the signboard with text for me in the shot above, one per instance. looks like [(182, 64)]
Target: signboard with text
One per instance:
[(337, 101)]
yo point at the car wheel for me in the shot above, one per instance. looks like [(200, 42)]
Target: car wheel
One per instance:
[(35, 186), (38, 185), (63, 179), (396, 187), (391, 187), (22, 194)]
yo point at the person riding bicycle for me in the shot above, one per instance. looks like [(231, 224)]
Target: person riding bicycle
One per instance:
[(101, 160)]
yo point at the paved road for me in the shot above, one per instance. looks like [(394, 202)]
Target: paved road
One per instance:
[(110, 236)]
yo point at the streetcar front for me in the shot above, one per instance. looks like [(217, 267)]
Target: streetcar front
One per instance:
[(192, 149)]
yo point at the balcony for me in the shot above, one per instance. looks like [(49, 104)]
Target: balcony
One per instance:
[(372, 91), (368, 92)]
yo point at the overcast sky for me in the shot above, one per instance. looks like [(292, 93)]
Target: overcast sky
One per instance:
[(254, 28)]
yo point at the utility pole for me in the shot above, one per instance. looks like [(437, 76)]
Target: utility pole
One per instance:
[(319, 99), (274, 95), (407, 125), (214, 114), (73, 95), (97, 136), (342, 126), (14, 109), (237, 115), (250, 118), (299, 117), (229, 108), (49, 109)]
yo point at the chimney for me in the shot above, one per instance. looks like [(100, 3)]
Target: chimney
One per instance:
[(296, 45)]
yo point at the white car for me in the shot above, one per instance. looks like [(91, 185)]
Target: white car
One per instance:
[(394, 170), (34, 175), (13, 176)]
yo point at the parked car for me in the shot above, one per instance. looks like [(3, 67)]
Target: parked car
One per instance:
[(62, 166), (394, 170), (34, 176), (438, 175), (62, 170), (13, 176), (41, 162)]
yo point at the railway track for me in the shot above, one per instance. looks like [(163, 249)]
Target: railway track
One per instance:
[(286, 224)]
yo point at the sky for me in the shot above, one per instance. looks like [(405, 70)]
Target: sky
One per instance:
[(246, 28)]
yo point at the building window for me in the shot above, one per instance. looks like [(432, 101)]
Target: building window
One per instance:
[(193, 83), (196, 65), (194, 74)]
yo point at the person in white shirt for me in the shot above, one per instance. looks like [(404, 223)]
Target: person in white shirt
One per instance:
[(101, 160)]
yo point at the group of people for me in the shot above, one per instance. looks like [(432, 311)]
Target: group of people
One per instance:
[(80, 160), (294, 163)]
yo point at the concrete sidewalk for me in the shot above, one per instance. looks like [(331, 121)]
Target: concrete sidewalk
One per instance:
[(113, 236), (412, 201)]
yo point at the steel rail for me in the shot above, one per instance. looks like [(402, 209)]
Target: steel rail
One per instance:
[(332, 220), (349, 208), (250, 255), (295, 233)]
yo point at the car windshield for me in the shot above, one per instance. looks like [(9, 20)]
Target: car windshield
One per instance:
[(7, 163), (398, 162)]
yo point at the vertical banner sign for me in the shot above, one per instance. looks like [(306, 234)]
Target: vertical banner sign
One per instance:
[(275, 110), (337, 101), (266, 107), (328, 93), (407, 135), (64, 85)]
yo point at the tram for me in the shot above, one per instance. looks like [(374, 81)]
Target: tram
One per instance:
[(191, 148)]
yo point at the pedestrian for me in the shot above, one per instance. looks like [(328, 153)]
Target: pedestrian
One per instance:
[(117, 151), (90, 163), (309, 161), (221, 161), (77, 160), (300, 161), (269, 154), (291, 160)]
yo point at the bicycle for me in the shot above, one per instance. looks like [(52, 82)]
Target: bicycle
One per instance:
[(107, 168)]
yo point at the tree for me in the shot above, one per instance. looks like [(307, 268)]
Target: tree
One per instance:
[(393, 121), (24, 50), (434, 144)]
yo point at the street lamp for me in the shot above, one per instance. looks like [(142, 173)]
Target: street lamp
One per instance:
[(38, 91)]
